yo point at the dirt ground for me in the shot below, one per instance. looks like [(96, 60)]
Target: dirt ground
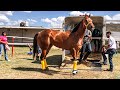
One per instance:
[(22, 66)]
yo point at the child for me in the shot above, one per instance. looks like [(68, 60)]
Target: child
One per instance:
[(37, 54), (30, 53)]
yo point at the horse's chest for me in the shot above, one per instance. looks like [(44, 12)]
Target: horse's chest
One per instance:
[(80, 42)]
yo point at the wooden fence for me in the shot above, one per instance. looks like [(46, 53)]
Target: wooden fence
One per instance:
[(13, 43)]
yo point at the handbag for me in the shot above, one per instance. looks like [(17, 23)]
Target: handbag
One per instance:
[(7, 47)]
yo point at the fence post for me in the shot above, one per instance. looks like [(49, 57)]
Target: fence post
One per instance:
[(12, 46)]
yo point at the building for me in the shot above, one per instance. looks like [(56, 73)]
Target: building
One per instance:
[(25, 32)]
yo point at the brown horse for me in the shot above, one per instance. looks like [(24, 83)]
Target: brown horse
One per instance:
[(66, 40)]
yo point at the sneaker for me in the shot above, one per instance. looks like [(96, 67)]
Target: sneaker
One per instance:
[(8, 60), (109, 70), (104, 63), (0, 56), (87, 63)]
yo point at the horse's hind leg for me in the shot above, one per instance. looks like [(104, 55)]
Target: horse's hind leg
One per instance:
[(43, 60), (49, 48), (46, 66)]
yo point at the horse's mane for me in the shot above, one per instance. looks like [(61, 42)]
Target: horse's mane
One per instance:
[(76, 27)]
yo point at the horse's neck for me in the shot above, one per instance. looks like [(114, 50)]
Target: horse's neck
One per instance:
[(80, 32)]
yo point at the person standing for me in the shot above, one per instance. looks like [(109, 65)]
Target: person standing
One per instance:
[(3, 43), (109, 49), (86, 45)]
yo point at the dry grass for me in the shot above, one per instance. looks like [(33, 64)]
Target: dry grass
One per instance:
[(22, 66)]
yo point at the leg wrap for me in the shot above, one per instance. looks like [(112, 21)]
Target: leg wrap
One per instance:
[(75, 65), (43, 64)]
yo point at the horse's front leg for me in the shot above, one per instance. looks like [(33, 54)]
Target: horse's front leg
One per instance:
[(73, 53)]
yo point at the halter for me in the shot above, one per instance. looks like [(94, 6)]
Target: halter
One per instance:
[(86, 25)]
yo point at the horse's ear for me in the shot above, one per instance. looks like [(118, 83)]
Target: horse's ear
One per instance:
[(86, 15), (89, 15)]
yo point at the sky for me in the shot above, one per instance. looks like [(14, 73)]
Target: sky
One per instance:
[(48, 19)]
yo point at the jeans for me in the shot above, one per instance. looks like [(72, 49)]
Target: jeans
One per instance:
[(89, 50), (110, 53), (2, 47), (38, 49)]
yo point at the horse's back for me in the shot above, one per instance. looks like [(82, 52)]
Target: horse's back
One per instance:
[(54, 37), (53, 33)]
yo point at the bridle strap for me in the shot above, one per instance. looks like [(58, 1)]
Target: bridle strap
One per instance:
[(86, 25)]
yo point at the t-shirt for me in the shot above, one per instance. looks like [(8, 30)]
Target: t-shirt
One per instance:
[(3, 38), (111, 42), (86, 38)]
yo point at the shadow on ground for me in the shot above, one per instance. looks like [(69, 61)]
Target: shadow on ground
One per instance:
[(92, 63), (27, 58), (52, 60), (49, 72)]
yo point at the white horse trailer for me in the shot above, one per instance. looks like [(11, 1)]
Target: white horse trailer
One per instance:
[(70, 22)]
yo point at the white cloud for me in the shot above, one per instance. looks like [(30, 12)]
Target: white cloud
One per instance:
[(14, 23), (10, 13), (31, 20), (53, 19), (27, 11), (78, 13), (115, 17), (107, 17), (47, 20), (3, 18), (91, 14), (54, 22), (1, 23), (61, 18), (17, 22)]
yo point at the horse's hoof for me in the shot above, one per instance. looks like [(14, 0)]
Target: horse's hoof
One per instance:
[(74, 72), (79, 62), (46, 69), (59, 67), (63, 65), (89, 64)]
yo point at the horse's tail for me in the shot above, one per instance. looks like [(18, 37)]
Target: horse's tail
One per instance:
[(35, 45)]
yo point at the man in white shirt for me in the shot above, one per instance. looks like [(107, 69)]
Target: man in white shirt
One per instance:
[(110, 50)]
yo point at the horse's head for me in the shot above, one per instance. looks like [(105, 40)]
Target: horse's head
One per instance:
[(88, 22)]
